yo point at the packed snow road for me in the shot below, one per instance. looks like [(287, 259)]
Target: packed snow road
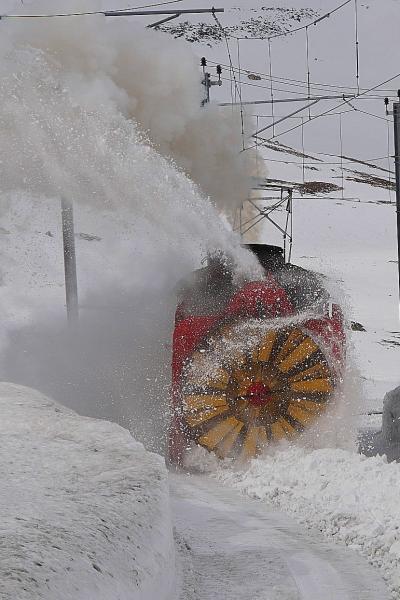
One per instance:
[(234, 547)]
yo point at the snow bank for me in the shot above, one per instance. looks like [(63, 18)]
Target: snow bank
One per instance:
[(347, 496), (84, 509)]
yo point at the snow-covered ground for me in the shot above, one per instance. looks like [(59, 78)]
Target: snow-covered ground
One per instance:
[(233, 547), (84, 508), (347, 497)]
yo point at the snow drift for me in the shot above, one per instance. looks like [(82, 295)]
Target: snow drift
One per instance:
[(84, 508)]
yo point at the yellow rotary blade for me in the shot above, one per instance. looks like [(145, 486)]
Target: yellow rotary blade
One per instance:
[(237, 359), (226, 445), (226, 331), (282, 429), (277, 431), (202, 402), (254, 440), (240, 374), (204, 416), (310, 406), (218, 380), (197, 358), (312, 386), (292, 341), (303, 351), (316, 372), (217, 433), (262, 438), (304, 417), (263, 353)]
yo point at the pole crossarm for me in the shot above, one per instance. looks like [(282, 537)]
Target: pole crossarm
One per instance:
[(141, 13), (170, 18), (254, 135), (280, 100)]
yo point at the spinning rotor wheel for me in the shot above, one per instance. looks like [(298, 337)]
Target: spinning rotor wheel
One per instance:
[(273, 390)]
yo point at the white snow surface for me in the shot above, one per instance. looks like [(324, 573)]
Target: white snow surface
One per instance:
[(348, 497), (84, 508), (232, 547)]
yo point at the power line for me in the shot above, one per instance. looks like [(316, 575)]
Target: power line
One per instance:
[(83, 14), (316, 162), (316, 88), (297, 82), (271, 86), (237, 88), (337, 106), (342, 112), (357, 46), (365, 112)]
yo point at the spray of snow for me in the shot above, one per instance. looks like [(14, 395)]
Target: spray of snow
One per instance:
[(88, 109), (150, 78)]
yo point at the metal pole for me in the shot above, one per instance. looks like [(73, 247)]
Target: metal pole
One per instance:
[(396, 118), (71, 283)]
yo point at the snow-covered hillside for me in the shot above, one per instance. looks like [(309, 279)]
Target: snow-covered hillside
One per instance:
[(84, 508)]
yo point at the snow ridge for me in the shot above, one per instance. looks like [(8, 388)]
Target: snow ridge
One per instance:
[(84, 508)]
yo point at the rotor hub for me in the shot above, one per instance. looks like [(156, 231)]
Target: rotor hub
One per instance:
[(258, 394)]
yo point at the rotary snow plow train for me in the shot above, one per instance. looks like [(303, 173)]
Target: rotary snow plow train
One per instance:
[(252, 364)]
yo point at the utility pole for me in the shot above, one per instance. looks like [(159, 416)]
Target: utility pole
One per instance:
[(208, 82), (71, 283), (396, 122)]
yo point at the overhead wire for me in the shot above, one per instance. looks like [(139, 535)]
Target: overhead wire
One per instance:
[(357, 46), (302, 148), (308, 70), (271, 86), (301, 93), (297, 82), (336, 107), (317, 163), (341, 153), (388, 160), (342, 112), (237, 88), (365, 112), (83, 14)]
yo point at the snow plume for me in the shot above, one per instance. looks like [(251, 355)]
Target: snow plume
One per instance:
[(68, 94), (145, 76)]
